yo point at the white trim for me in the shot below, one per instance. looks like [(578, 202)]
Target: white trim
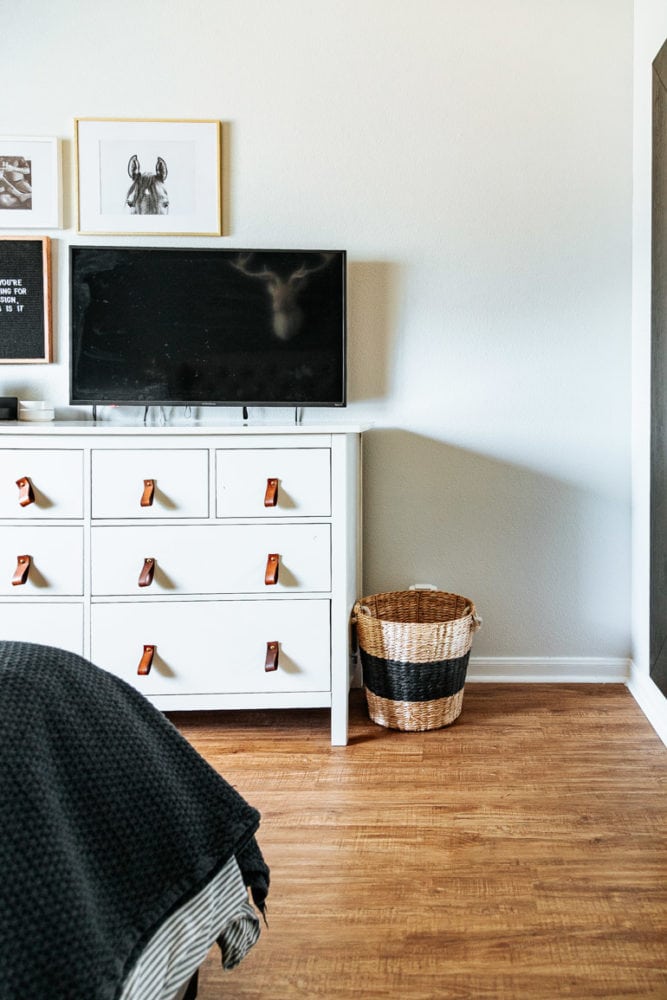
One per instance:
[(549, 670), (650, 699)]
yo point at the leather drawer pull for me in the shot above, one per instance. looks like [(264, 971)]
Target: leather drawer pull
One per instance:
[(147, 571), (271, 662), (272, 569), (271, 495), (26, 493), (149, 493), (22, 570), (146, 661)]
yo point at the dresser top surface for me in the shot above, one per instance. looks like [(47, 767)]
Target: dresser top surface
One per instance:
[(56, 428)]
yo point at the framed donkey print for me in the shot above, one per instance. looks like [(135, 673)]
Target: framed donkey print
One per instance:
[(159, 177)]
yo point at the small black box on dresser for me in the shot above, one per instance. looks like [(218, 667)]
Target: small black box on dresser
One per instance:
[(8, 408)]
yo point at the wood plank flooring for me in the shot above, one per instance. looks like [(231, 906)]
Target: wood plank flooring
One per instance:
[(519, 853)]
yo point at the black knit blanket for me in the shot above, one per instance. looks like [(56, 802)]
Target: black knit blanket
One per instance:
[(109, 821)]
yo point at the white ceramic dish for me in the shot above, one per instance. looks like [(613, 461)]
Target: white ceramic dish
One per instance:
[(35, 409), (43, 416)]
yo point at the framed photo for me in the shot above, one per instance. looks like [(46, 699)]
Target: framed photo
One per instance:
[(25, 299), (30, 182), (159, 177)]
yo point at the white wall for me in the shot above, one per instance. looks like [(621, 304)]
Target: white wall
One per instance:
[(474, 157)]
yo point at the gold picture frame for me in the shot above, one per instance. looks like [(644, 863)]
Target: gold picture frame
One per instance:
[(141, 176), (25, 300)]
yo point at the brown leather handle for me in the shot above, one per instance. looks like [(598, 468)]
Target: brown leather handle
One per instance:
[(22, 570), (149, 493), (147, 572), (271, 495), (146, 661), (26, 492), (272, 651), (272, 569)]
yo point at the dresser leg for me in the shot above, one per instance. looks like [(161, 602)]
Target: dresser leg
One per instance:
[(340, 697)]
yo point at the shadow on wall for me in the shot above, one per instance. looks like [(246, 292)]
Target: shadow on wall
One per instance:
[(546, 563), (373, 292)]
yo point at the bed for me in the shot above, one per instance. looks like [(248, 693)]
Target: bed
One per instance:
[(123, 854)]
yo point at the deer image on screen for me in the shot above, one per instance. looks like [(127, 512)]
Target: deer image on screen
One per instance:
[(284, 291)]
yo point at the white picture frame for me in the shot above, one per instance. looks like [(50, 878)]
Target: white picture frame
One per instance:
[(148, 176), (30, 182)]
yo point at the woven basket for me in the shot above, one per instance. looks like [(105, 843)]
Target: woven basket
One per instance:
[(414, 647)]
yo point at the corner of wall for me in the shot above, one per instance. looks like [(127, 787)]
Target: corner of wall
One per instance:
[(650, 699)]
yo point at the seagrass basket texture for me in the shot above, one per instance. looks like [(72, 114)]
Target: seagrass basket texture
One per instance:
[(414, 647)]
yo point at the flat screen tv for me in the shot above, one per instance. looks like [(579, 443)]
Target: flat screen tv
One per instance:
[(196, 327)]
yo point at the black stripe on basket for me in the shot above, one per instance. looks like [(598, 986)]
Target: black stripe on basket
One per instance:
[(413, 681)]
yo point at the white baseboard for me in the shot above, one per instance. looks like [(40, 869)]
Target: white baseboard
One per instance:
[(548, 670), (650, 699)]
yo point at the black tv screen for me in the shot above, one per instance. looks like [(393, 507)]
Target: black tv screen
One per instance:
[(190, 326)]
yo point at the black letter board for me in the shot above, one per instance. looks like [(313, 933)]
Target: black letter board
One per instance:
[(25, 299)]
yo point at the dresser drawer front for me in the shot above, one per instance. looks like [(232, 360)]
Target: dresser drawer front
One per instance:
[(56, 561), (58, 625), (216, 647), (210, 559), (55, 478), (303, 482), (180, 478)]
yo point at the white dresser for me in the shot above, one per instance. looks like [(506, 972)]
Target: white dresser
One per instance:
[(211, 568)]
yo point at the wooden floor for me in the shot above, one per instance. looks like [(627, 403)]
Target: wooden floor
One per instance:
[(519, 853)]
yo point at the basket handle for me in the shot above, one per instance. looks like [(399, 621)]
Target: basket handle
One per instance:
[(476, 620), (359, 609)]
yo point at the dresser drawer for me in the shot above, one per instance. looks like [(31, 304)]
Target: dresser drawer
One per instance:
[(55, 561), (58, 625), (53, 483), (302, 479), (210, 559), (216, 647), (119, 478)]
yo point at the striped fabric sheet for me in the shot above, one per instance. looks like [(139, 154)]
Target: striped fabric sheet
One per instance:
[(222, 912)]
